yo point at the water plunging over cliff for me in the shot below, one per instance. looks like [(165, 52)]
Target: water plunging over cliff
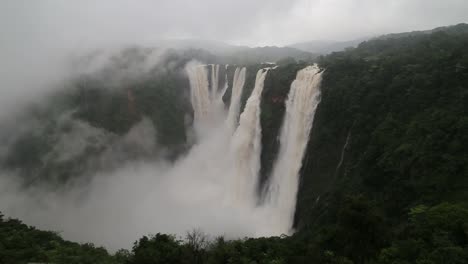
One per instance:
[(303, 99), (234, 147)]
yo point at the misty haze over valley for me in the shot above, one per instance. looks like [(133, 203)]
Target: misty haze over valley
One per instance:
[(182, 131)]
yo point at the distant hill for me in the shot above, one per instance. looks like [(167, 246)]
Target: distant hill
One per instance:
[(213, 46), (323, 47), (269, 54), (461, 28), (326, 46), (234, 54), (384, 177), (206, 51)]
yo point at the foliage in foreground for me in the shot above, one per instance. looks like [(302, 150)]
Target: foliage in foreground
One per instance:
[(399, 195), (437, 234)]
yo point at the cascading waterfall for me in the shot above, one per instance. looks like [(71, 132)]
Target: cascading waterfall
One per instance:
[(214, 80), (242, 159), (211, 187), (200, 96), (247, 144), (237, 87), (216, 95), (303, 99), (233, 169), (226, 86), (207, 103)]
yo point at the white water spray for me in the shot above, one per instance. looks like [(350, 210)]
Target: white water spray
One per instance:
[(191, 192), (207, 104), (227, 159), (303, 99), (227, 162), (234, 145), (237, 87), (214, 80), (247, 145), (226, 85), (200, 96)]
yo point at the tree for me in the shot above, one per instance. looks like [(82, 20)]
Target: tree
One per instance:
[(157, 249)]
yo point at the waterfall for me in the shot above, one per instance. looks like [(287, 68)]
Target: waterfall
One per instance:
[(237, 87), (343, 150), (226, 85), (208, 106), (303, 98), (229, 158), (228, 153), (247, 144), (200, 96), (214, 80), (212, 186)]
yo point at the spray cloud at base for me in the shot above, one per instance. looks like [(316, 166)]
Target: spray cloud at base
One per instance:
[(212, 187)]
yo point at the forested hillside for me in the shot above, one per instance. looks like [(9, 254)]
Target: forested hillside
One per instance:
[(394, 112), (135, 104), (103, 118), (389, 138), (20, 243), (384, 178)]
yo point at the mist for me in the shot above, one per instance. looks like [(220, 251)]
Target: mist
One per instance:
[(114, 207), (40, 43), (38, 38), (117, 208), (120, 198)]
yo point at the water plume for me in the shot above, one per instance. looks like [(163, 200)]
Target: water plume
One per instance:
[(247, 145), (303, 99), (212, 187), (237, 88)]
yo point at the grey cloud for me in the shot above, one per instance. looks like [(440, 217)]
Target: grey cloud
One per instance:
[(37, 36), (82, 23)]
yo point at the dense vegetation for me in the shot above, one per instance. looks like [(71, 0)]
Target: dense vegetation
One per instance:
[(436, 234), (63, 137), (20, 243), (391, 130), (384, 180)]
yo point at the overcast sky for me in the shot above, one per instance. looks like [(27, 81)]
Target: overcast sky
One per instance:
[(248, 22), (36, 35)]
